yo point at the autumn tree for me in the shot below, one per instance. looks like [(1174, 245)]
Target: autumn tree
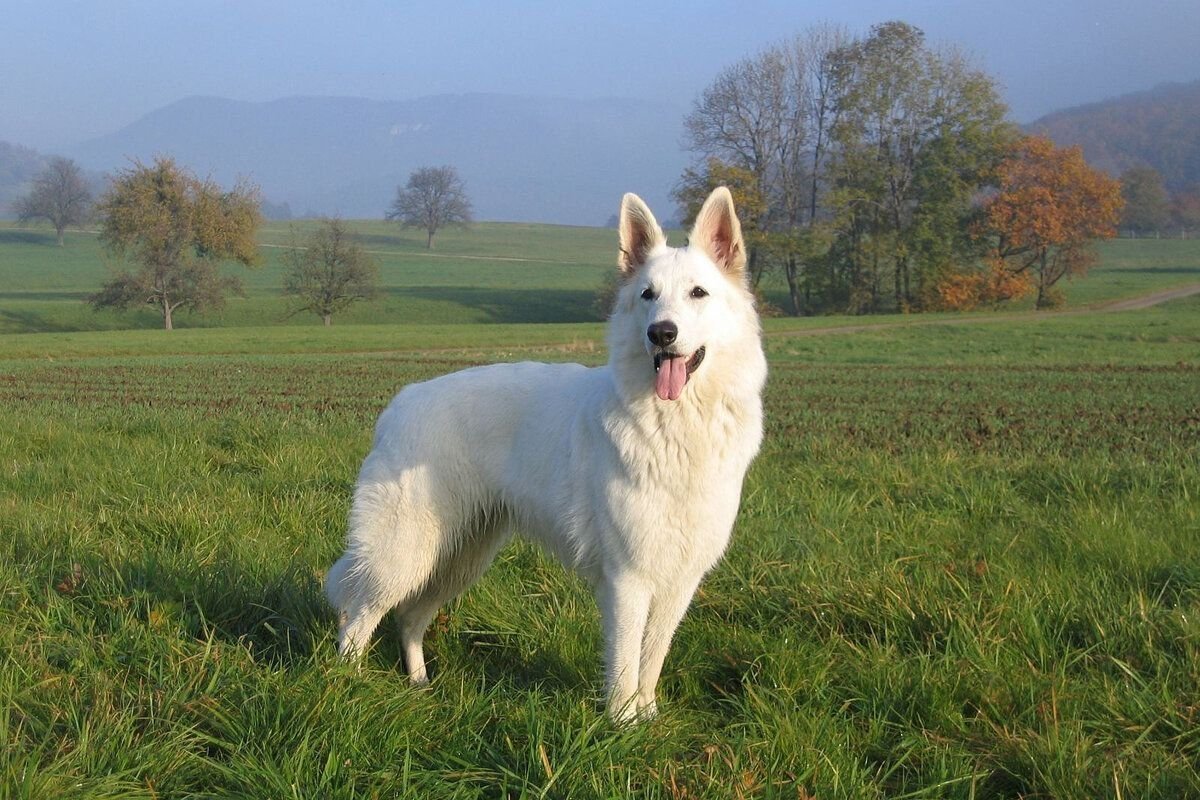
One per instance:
[(328, 271), (177, 229), (1147, 204), (60, 196), (433, 198), (1048, 208)]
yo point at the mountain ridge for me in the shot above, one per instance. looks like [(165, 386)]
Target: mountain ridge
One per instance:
[(1157, 127), (523, 158)]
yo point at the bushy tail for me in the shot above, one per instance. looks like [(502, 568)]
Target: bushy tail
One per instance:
[(334, 587)]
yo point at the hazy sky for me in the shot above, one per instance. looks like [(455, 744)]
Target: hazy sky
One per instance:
[(70, 71)]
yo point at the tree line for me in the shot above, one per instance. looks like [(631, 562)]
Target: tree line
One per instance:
[(1152, 210), (872, 172), (171, 231)]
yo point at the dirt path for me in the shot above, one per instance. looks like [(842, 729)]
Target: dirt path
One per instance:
[(1145, 301), (1128, 304)]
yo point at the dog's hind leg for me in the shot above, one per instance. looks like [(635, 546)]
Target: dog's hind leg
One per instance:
[(457, 572)]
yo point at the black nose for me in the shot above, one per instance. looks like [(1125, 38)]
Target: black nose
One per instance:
[(663, 333)]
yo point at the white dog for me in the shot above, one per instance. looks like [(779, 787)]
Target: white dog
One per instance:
[(630, 473)]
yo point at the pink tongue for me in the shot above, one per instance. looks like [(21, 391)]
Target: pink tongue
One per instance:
[(672, 375)]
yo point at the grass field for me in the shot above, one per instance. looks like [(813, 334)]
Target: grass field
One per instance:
[(489, 273), (967, 565), (474, 275)]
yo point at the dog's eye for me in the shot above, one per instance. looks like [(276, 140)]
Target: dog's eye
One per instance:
[(647, 293), (698, 292)]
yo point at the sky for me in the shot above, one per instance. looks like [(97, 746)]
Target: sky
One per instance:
[(70, 71)]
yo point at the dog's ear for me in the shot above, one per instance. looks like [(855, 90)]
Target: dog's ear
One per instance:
[(718, 232), (639, 233)]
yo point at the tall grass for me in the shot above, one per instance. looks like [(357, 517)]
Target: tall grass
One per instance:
[(967, 565)]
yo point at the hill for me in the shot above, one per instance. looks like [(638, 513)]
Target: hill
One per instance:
[(1159, 127), (523, 158)]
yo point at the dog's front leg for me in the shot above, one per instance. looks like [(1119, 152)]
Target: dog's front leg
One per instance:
[(624, 601), (667, 608)]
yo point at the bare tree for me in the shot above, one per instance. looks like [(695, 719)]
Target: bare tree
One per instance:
[(59, 196), (433, 198), (773, 115), (329, 272)]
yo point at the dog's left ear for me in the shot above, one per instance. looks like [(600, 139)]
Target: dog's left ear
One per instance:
[(718, 232)]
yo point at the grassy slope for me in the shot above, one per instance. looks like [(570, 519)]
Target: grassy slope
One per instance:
[(489, 273), (967, 566)]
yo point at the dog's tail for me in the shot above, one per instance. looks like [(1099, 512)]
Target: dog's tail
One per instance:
[(335, 589)]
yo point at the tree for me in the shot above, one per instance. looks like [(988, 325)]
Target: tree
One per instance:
[(867, 153), (433, 198), (769, 117), (918, 130), (178, 229), (1147, 204), (329, 271), (1048, 208), (60, 196), (1185, 211)]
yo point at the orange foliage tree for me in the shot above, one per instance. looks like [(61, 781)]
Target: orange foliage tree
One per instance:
[(1048, 209), (966, 291)]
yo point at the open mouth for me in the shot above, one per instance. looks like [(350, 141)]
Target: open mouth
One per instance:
[(672, 372)]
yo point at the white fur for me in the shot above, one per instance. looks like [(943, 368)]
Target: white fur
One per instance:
[(636, 493)]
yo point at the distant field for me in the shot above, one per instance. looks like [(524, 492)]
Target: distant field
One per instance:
[(966, 567), (490, 273)]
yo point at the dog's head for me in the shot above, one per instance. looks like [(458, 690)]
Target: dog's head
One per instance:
[(683, 307)]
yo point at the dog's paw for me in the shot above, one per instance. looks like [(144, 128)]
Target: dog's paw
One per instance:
[(624, 713)]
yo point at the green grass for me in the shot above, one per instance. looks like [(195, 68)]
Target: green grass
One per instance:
[(967, 565), (488, 273)]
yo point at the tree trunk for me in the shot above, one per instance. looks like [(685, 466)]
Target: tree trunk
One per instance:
[(60, 236), (167, 325), (790, 270), (429, 240), (328, 318), (1041, 284)]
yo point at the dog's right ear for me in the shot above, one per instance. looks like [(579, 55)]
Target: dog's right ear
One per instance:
[(639, 234), (718, 232)]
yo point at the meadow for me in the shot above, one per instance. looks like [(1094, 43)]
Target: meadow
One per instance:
[(967, 563), (496, 273)]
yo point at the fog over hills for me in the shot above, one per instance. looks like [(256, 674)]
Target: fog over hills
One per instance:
[(524, 159), (532, 159), (1159, 127)]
